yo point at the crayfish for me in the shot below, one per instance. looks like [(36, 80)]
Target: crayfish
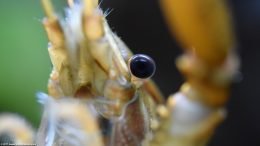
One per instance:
[(101, 94)]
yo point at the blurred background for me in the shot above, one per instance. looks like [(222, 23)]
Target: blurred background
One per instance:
[(25, 65)]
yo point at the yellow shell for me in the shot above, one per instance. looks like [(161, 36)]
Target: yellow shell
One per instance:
[(203, 25)]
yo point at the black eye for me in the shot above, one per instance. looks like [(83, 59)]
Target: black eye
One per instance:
[(142, 66)]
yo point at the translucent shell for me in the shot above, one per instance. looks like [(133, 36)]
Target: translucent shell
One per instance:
[(68, 122)]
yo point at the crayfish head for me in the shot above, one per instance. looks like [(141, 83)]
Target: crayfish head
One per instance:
[(119, 91)]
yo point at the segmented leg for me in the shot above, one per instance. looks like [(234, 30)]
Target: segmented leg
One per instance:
[(209, 65), (15, 130)]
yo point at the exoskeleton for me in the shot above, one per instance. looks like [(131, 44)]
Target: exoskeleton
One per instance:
[(91, 63), (100, 94)]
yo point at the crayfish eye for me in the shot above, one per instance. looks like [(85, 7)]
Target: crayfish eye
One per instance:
[(142, 66)]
